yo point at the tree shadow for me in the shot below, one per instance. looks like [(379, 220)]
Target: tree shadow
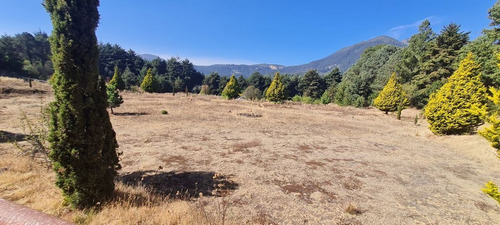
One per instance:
[(130, 114), (181, 185), (6, 136)]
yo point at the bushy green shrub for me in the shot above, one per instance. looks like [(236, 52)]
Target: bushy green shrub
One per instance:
[(307, 100), (164, 112), (297, 98), (252, 93), (328, 96), (457, 106)]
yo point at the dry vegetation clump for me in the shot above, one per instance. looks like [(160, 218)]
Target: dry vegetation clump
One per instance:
[(28, 183), (244, 146), (353, 209)]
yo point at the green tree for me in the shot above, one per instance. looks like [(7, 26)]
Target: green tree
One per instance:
[(494, 14), (232, 89), (10, 60), (242, 82), (333, 77), (114, 98), (391, 97), (413, 55), (212, 81), (222, 84), (257, 80), (129, 78), (178, 84), (312, 85), (117, 80), (150, 83), (291, 83), (438, 62), (276, 91), (456, 107), (356, 85), (82, 141)]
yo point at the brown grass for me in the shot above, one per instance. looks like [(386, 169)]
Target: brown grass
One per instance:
[(296, 164)]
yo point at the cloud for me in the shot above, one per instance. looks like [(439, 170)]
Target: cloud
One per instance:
[(207, 61), (403, 30)]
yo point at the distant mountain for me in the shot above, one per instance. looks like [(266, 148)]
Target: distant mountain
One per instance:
[(148, 57), (343, 59)]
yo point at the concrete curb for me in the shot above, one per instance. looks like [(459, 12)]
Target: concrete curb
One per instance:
[(11, 213)]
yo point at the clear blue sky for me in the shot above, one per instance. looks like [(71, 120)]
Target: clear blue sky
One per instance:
[(254, 31)]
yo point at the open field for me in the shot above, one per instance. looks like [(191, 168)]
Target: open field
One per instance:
[(282, 163)]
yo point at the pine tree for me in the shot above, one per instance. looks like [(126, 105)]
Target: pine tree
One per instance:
[(312, 85), (82, 141), (392, 96), (456, 107), (149, 84), (276, 91), (117, 80), (114, 98), (333, 77), (231, 90)]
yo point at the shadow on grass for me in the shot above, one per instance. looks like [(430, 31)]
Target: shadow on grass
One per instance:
[(130, 114), (6, 136), (181, 185)]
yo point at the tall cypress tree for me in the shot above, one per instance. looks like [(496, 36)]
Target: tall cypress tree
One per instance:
[(82, 140)]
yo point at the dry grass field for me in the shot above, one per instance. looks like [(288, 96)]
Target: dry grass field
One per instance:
[(215, 161)]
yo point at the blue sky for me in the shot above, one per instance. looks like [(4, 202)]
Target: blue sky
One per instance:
[(254, 31)]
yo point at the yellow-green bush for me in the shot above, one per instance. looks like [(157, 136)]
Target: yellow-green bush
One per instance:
[(276, 91), (117, 80), (391, 96), (492, 190), (456, 108), (150, 84), (492, 133), (231, 90)]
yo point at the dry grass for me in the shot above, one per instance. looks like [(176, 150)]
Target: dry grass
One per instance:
[(352, 209), (29, 183), (296, 164)]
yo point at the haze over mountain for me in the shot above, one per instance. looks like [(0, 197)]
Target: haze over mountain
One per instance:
[(343, 59)]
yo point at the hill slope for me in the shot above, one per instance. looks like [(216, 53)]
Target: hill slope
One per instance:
[(343, 59)]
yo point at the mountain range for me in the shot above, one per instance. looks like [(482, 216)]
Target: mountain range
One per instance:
[(343, 59)]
